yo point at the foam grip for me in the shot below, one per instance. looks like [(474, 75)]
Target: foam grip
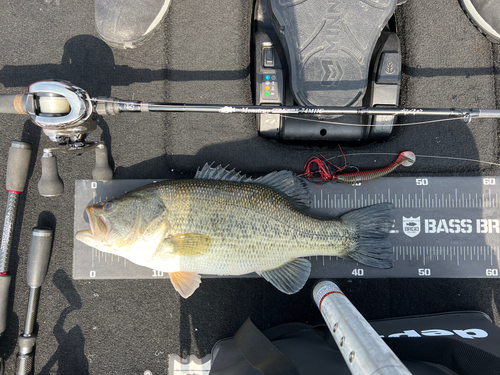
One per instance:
[(50, 184), (12, 104), (4, 301), (17, 166), (39, 256), (102, 171)]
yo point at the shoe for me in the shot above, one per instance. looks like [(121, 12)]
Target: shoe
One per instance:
[(128, 23), (485, 15)]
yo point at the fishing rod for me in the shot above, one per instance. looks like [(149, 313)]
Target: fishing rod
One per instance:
[(66, 114), (58, 105), (113, 106)]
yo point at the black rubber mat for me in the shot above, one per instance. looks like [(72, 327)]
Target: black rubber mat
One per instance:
[(202, 55)]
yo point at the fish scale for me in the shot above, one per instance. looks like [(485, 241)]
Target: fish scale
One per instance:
[(248, 244)]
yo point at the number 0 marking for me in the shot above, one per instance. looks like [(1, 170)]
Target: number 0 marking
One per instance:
[(92, 273)]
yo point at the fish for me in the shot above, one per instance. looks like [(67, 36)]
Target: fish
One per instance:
[(222, 222)]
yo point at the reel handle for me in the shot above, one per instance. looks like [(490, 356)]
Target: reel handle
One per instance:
[(50, 184)]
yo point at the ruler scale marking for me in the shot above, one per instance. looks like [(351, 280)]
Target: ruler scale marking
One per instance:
[(456, 218)]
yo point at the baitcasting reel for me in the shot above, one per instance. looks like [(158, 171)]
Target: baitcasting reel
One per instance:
[(64, 112)]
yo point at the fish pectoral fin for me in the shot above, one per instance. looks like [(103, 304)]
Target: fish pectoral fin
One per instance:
[(290, 277), (188, 243), (185, 282)]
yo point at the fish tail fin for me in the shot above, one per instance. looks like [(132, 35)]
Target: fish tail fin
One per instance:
[(372, 226)]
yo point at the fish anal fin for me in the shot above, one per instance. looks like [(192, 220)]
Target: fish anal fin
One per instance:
[(290, 277), (185, 282), (188, 243)]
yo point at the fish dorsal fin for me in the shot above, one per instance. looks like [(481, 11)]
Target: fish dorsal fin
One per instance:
[(220, 173), (289, 184), (185, 282), (290, 277), (189, 244), (284, 181)]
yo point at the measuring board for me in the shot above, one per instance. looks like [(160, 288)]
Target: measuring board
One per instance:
[(445, 227)]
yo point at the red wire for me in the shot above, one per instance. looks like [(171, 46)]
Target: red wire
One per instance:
[(318, 169)]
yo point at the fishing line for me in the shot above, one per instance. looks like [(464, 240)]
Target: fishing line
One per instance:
[(369, 125), (421, 156)]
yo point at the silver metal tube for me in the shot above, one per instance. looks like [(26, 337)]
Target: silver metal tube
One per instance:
[(489, 113), (33, 299), (362, 348)]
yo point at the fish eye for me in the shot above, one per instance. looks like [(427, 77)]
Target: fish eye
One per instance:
[(108, 206)]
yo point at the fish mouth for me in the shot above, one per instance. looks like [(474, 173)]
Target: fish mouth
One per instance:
[(100, 226)]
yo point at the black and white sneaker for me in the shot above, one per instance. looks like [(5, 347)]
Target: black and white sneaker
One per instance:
[(485, 14), (128, 23)]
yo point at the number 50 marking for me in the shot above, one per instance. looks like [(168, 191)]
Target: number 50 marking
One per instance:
[(424, 272), (422, 181)]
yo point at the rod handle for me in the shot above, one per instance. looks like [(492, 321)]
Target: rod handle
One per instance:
[(17, 166), (39, 256), (13, 103), (50, 184)]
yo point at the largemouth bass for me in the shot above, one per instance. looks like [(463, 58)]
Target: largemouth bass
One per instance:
[(224, 223)]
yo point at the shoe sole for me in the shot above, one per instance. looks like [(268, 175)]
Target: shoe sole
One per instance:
[(479, 22), (131, 44)]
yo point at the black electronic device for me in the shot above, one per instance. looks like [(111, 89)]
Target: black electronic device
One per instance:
[(320, 53)]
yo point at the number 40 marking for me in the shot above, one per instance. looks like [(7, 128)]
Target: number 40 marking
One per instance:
[(358, 272)]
